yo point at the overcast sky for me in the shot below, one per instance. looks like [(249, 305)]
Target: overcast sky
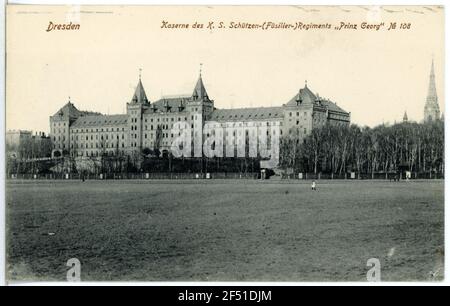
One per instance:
[(375, 75)]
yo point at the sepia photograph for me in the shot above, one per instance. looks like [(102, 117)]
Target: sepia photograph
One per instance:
[(224, 144)]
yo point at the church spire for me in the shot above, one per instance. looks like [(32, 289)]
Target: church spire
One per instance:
[(199, 90), (405, 117), (431, 110), (432, 85)]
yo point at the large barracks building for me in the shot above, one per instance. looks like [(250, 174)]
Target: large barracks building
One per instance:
[(148, 124)]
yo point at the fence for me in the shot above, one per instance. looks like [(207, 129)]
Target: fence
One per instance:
[(131, 176), (224, 175), (362, 176)]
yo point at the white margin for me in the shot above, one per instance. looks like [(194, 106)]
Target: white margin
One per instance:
[(216, 2)]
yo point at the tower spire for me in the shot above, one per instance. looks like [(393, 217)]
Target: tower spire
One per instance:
[(199, 90), (431, 110), (139, 94)]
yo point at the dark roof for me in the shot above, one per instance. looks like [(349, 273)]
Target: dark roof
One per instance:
[(68, 110), (102, 120), (332, 106), (306, 96), (89, 113), (199, 90), (240, 114), (139, 94), (172, 103)]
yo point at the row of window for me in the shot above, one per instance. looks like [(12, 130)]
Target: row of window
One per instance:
[(63, 138), (97, 153), (58, 131), (298, 114), (97, 130), (102, 137), (98, 145), (166, 119)]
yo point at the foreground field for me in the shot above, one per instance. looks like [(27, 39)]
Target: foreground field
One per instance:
[(240, 230)]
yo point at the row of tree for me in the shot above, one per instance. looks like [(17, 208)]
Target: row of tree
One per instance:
[(417, 147), (29, 148)]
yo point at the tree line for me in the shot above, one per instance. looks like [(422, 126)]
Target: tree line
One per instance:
[(411, 146), (337, 149)]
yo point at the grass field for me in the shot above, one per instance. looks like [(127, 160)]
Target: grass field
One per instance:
[(225, 230)]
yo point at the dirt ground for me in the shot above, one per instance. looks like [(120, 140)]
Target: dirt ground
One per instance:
[(225, 230)]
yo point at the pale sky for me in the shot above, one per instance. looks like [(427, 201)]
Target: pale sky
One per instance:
[(375, 75)]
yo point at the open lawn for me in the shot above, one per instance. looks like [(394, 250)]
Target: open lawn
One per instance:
[(225, 230)]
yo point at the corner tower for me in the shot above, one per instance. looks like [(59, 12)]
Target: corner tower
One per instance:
[(135, 109), (199, 103)]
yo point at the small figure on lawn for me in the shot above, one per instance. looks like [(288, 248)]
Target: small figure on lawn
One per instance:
[(313, 185)]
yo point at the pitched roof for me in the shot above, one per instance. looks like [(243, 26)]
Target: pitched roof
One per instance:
[(100, 120), (241, 114), (139, 94), (173, 103), (68, 110), (306, 96), (332, 106), (199, 90)]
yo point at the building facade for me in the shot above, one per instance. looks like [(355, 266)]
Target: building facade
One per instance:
[(23, 144), (149, 125), (431, 110)]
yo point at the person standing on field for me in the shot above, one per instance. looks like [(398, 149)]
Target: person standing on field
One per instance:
[(313, 185)]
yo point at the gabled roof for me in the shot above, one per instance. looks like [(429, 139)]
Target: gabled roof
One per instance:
[(101, 120), (306, 96), (68, 110), (139, 94), (243, 114), (199, 90)]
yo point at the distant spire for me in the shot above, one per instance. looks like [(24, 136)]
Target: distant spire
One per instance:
[(432, 84), (405, 117), (140, 72), (201, 69), (431, 110), (306, 83)]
